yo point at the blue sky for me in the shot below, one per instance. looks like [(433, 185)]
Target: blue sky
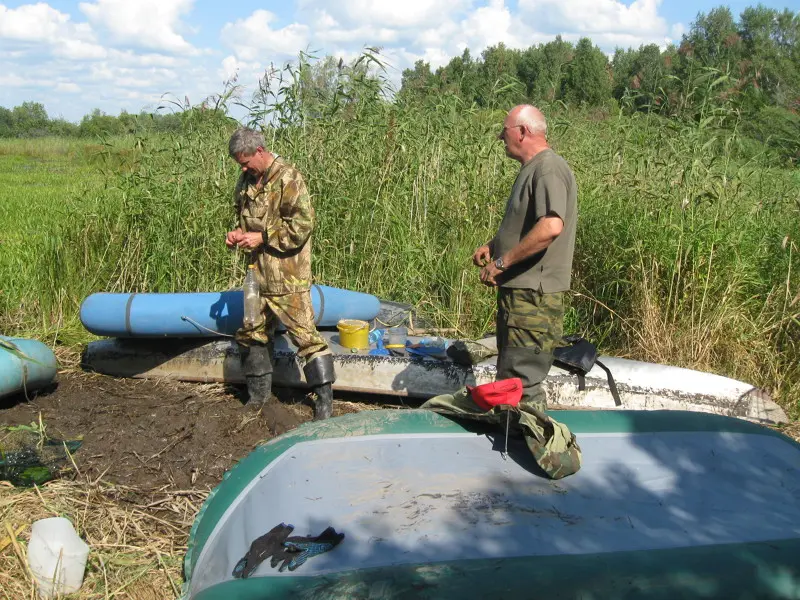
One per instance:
[(74, 56)]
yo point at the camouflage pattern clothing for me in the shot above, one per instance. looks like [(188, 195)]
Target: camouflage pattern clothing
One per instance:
[(279, 205), (553, 446), (529, 328), (296, 312)]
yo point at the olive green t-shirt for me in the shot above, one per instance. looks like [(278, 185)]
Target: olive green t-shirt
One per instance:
[(545, 186)]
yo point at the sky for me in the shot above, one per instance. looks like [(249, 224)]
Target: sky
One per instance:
[(75, 56)]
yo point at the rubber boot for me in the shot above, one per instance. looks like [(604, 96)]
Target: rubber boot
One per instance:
[(320, 375), (323, 407), (257, 368)]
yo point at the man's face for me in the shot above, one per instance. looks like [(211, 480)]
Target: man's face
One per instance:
[(510, 136), (252, 165)]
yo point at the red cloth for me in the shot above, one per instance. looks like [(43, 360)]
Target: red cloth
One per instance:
[(489, 395)]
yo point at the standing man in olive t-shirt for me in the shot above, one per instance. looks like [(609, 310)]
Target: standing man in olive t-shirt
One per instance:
[(530, 257)]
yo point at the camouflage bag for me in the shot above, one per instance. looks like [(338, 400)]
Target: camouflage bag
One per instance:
[(553, 446)]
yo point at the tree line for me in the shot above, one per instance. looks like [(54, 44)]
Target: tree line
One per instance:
[(748, 68), (30, 119)]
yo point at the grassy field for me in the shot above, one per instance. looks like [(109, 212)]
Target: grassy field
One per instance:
[(687, 249)]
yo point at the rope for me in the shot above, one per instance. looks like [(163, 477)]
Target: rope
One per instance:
[(504, 454), (321, 305), (196, 324)]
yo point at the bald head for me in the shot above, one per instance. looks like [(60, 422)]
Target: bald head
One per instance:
[(529, 117), (524, 132)]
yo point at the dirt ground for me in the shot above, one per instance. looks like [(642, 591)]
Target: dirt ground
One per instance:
[(152, 434)]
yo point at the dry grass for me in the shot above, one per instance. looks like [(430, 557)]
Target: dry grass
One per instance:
[(791, 429), (137, 539)]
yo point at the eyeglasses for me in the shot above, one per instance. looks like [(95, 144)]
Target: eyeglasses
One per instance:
[(502, 133)]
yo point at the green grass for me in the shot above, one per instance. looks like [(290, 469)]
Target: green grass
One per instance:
[(687, 248)]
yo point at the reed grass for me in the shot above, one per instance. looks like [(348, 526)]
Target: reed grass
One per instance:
[(137, 540), (687, 249)]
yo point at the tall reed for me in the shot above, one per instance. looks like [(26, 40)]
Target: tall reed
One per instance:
[(687, 253)]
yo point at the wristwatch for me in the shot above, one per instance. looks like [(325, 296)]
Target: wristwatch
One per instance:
[(499, 264)]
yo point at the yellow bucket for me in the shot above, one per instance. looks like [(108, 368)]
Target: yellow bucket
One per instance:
[(353, 333)]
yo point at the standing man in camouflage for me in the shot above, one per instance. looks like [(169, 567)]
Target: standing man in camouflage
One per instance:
[(530, 257), (275, 223)]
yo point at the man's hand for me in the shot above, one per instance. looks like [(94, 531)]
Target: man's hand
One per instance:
[(482, 256), (250, 240), (233, 237), (488, 274)]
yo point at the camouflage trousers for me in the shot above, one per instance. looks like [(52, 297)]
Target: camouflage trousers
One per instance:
[(529, 328), (296, 312)]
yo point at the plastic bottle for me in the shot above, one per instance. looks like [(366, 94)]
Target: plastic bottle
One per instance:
[(252, 304), (57, 557)]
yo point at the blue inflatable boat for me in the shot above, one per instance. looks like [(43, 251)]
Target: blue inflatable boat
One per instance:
[(25, 365), (205, 314)]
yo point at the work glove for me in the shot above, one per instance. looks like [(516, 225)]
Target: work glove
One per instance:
[(300, 549), (269, 544)]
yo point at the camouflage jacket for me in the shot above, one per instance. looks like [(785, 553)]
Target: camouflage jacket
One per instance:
[(281, 208)]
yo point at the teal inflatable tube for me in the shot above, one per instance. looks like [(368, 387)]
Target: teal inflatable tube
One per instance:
[(205, 314), (25, 365)]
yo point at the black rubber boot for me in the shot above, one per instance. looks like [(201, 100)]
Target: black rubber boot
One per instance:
[(257, 368), (320, 375), (259, 390), (323, 407)]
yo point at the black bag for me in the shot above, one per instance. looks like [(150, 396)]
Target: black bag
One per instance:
[(578, 358)]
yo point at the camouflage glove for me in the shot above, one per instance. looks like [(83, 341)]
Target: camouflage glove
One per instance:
[(269, 544), (300, 549)]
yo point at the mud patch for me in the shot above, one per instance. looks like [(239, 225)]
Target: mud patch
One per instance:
[(151, 434)]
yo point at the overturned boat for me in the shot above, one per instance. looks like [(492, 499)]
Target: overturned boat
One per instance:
[(666, 504), (641, 385)]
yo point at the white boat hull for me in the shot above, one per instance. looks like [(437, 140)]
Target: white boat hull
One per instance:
[(642, 386)]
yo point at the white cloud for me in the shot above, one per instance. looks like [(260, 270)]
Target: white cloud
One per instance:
[(490, 25), (13, 80), (153, 24), (639, 20), (68, 88), (254, 38), (31, 22), (677, 31), (41, 27), (78, 49), (387, 13), (129, 58), (230, 68)]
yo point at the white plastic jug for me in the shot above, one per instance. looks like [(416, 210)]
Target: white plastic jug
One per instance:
[(57, 556)]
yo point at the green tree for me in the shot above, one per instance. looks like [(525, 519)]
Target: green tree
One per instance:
[(529, 68), (460, 77), (30, 119), (497, 74), (622, 68), (550, 83), (417, 83), (588, 80), (6, 122)]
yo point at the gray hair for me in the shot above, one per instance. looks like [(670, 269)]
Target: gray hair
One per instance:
[(532, 119), (245, 141)]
